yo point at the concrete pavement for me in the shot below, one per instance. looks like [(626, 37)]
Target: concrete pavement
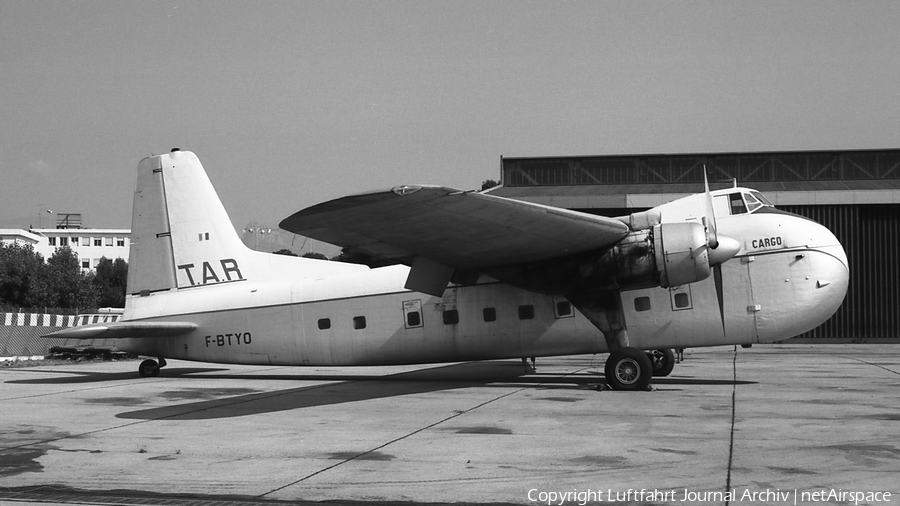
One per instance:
[(738, 426)]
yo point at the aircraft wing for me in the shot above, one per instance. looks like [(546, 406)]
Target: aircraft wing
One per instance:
[(464, 230), (124, 329)]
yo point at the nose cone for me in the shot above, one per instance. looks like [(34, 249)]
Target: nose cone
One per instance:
[(830, 269), (799, 284)]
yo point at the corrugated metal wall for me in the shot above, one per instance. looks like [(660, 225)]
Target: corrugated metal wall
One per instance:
[(871, 237)]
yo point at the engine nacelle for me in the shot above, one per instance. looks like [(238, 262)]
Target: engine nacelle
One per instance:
[(666, 255), (682, 254)]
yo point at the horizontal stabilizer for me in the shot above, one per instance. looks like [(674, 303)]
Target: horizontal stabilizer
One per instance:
[(125, 329)]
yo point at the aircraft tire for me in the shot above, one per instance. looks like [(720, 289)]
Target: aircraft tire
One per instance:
[(628, 369), (148, 368), (663, 361)]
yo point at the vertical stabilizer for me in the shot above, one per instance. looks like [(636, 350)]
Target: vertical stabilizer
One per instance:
[(181, 234)]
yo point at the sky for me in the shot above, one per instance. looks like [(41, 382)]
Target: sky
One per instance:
[(292, 103)]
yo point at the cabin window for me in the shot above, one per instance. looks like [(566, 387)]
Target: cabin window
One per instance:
[(324, 323), (526, 312), (451, 317), (489, 314), (563, 309), (642, 304), (359, 322), (412, 313), (681, 298)]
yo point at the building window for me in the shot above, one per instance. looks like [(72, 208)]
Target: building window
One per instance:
[(85, 264), (120, 241), (109, 241), (526, 312), (63, 241), (52, 241), (490, 314), (642, 304), (359, 322), (85, 241), (98, 241), (324, 323), (75, 241), (451, 317)]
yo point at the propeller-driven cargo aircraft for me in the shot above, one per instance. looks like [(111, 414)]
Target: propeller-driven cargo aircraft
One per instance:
[(478, 277)]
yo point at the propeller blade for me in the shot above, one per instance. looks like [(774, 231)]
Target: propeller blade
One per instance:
[(717, 274), (709, 220)]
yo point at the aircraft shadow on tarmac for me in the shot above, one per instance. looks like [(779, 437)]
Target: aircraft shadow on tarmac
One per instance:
[(337, 388), (341, 389)]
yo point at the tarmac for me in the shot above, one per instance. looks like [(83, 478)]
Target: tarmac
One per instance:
[(773, 424)]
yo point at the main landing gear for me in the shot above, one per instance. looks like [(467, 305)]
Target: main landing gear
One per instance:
[(628, 369), (150, 368), (632, 369), (663, 361)]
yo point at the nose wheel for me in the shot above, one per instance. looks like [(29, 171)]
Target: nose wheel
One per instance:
[(628, 369)]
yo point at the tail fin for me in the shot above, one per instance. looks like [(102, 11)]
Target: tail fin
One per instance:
[(181, 234)]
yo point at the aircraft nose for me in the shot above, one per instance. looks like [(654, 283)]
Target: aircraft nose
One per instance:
[(830, 268)]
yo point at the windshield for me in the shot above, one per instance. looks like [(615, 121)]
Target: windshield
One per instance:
[(762, 198)]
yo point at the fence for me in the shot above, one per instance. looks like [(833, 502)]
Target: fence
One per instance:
[(20, 333)]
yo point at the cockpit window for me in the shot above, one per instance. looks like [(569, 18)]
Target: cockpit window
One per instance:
[(737, 204), (752, 203), (762, 198)]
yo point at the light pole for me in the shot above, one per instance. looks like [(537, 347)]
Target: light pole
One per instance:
[(257, 231)]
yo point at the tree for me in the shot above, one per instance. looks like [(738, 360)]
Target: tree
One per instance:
[(352, 256), (110, 280), (19, 266), (60, 283), (286, 252), (315, 255), (489, 183)]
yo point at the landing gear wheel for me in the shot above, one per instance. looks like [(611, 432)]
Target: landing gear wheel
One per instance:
[(628, 369), (663, 361), (148, 368)]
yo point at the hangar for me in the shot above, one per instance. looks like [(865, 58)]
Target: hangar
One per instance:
[(856, 194)]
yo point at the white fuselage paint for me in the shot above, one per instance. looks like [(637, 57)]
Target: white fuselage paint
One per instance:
[(773, 290)]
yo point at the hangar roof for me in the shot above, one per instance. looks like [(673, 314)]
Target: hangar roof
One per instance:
[(631, 181)]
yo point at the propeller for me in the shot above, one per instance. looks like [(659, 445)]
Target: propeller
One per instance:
[(720, 249), (709, 220)]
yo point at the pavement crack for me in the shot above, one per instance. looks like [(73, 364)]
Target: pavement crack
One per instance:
[(731, 436), (455, 414), (860, 360)]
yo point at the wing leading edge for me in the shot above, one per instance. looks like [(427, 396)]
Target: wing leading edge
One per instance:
[(455, 228)]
